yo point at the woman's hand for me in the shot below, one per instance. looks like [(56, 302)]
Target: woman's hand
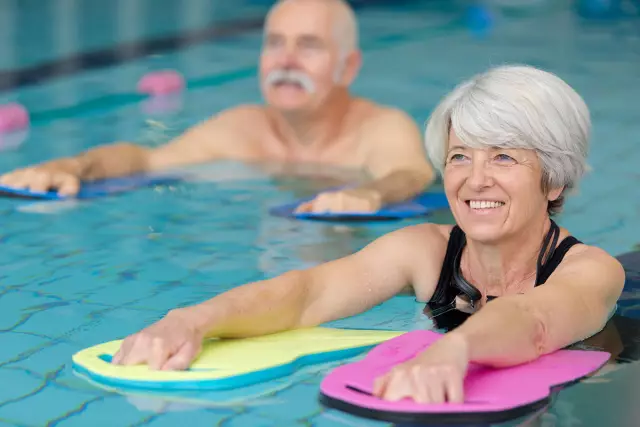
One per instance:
[(169, 344), (434, 376)]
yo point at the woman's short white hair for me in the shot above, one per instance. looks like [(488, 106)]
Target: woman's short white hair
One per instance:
[(517, 106)]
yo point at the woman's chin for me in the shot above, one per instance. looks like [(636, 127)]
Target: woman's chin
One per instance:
[(483, 233)]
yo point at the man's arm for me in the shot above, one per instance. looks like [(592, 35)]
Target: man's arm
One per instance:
[(397, 158), (218, 137), (201, 143)]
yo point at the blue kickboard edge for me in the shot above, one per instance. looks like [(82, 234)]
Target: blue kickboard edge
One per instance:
[(228, 383), (93, 189), (421, 205)]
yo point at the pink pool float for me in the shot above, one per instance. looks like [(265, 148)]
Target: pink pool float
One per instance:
[(13, 117), (491, 394), (159, 83)]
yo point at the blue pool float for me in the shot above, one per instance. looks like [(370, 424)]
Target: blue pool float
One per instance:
[(93, 189), (422, 205)]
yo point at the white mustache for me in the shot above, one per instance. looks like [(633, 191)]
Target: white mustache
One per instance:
[(290, 76)]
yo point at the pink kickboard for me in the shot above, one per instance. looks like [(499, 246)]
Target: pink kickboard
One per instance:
[(493, 394)]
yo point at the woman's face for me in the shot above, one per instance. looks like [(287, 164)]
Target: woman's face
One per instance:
[(494, 193)]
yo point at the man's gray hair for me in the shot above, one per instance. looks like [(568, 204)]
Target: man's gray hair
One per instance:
[(517, 106), (345, 28)]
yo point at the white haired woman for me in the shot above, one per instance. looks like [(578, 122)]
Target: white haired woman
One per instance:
[(509, 144)]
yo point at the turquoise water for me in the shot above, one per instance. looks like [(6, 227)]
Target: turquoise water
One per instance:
[(78, 274)]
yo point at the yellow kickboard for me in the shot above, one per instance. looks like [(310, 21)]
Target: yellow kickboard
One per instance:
[(233, 363)]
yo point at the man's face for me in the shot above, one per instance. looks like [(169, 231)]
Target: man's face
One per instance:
[(301, 61)]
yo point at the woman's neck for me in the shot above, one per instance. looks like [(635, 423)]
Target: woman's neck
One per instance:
[(508, 267)]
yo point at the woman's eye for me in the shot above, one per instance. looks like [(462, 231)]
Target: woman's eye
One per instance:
[(456, 158), (504, 158)]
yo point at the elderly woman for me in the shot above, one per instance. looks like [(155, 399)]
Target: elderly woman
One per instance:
[(509, 143)]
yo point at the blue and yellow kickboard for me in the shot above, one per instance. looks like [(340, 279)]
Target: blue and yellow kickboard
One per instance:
[(94, 189), (232, 363)]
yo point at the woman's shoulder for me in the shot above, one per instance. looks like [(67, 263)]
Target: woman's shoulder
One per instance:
[(419, 242), (425, 233), (587, 258), (580, 250), (420, 250)]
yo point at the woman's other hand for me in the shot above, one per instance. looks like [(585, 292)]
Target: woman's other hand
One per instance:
[(434, 376), (172, 343)]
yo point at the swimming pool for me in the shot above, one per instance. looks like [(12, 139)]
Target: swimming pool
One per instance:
[(78, 274)]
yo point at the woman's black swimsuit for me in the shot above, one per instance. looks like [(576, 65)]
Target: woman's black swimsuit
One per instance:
[(451, 284)]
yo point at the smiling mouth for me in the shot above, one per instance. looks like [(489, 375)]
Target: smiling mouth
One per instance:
[(483, 204)]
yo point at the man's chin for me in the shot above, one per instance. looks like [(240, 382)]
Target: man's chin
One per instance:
[(291, 108)]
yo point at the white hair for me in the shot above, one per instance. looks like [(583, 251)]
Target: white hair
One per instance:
[(345, 25), (517, 106), (346, 28)]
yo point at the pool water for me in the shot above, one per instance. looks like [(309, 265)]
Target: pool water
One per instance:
[(75, 274)]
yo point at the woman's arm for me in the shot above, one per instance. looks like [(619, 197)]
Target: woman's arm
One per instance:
[(329, 291), (574, 304), (296, 299)]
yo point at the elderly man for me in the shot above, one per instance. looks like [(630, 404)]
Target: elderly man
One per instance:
[(309, 58)]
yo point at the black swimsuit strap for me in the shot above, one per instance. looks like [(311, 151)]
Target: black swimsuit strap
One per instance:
[(555, 259), (544, 255), (457, 240)]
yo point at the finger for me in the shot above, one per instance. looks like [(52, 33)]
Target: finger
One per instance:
[(159, 353), (40, 182), (136, 352), (370, 207), (420, 385), (434, 388), (119, 355), (67, 185), (124, 349), (5, 179), (304, 207), (322, 203), (182, 358), (454, 388), (398, 387), (380, 385), (331, 202), (340, 203), (358, 206), (13, 179)]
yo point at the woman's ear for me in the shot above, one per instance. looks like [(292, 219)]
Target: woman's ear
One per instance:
[(554, 193)]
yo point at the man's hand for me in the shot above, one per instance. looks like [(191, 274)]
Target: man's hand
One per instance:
[(42, 179), (354, 200)]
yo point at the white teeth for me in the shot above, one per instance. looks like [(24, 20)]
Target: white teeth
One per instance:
[(484, 204)]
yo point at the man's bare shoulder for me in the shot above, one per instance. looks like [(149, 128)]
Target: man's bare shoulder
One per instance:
[(239, 118), (376, 116), (238, 131), (225, 135)]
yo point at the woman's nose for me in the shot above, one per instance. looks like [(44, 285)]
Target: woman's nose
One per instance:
[(480, 175)]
